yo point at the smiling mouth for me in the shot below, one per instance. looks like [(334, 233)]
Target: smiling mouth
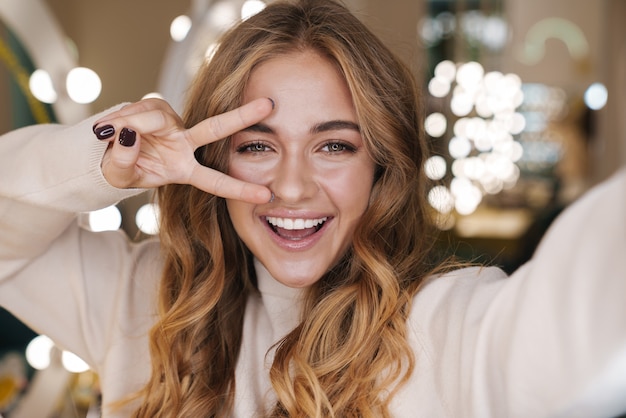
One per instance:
[(295, 228)]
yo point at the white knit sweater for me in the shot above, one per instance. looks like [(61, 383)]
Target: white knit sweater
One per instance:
[(549, 341)]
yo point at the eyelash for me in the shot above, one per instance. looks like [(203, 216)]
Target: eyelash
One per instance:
[(253, 147), (345, 147)]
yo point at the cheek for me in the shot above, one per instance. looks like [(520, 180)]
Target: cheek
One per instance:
[(242, 172), (257, 172), (241, 214), (350, 189)]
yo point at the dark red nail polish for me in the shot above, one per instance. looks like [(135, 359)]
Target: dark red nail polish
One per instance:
[(127, 137), (104, 132)]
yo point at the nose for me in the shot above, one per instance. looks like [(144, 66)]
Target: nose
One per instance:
[(293, 180)]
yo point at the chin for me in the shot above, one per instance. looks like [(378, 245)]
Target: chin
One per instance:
[(296, 282)]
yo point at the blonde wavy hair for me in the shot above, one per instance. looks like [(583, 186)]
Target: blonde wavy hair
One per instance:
[(349, 354)]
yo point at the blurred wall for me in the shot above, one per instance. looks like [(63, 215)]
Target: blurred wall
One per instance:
[(563, 64), (123, 41)]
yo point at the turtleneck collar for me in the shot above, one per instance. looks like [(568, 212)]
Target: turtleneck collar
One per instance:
[(283, 303)]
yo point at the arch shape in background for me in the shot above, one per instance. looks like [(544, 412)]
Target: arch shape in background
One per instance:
[(557, 28), (39, 32)]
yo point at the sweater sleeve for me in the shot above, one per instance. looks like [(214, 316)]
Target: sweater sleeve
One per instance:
[(548, 341), (49, 173), (554, 338), (58, 278)]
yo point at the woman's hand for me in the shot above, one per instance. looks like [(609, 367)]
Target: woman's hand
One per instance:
[(150, 147)]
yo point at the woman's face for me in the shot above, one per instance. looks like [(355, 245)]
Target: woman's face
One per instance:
[(311, 155)]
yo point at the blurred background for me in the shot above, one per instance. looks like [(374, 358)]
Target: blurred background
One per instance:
[(523, 105)]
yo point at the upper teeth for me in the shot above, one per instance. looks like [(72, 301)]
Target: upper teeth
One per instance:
[(289, 223)]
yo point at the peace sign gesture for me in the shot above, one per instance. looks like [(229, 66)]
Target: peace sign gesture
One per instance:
[(150, 147)]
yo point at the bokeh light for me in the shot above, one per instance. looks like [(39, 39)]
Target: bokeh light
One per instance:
[(251, 7), (153, 95), (483, 147), (147, 219), (439, 87), (83, 85), (180, 27), (38, 352), (441, 199), (596, 96), (446, 70), (435, 167), (72, 363), (41, 86), (435, 124), (222, 15), (107, 219)]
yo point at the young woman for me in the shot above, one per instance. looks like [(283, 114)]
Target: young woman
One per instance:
[(292, 274)]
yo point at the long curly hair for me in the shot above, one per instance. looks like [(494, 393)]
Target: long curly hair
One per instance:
[(349, 354)]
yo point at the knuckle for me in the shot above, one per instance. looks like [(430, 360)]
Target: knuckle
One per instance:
[(215, 127), (244, 192), (151, 101), (160, 119), (220, 185)]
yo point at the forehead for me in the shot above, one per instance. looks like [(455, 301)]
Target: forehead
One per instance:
[(304, 81)]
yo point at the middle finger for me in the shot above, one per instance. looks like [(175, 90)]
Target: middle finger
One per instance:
[(221, 126)]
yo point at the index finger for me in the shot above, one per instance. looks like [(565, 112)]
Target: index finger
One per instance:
[(221, 184), (226, 124)]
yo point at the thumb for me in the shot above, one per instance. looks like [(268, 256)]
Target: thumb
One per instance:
[(119, 163)]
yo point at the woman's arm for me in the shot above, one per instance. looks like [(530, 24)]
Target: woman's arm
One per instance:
[(550, 340), (49, 174), (556, 334), (83, 288)]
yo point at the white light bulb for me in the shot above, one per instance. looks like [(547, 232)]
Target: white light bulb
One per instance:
[(41, 86), (147, 219), (438, 87), (470, 74), (222, 15), (107, 219), (83, 85), (461, 104), (38, 352), (435, 167), (441, 199), (435, 124), (596, 96), (251, 7), (467, 196), (153, 95), (459, 147), (179, 28), (446, 70), (72, 363)]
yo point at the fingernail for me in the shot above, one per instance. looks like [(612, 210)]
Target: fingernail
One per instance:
[(273, 104), (272, 197), (104, 132), (127, 137)]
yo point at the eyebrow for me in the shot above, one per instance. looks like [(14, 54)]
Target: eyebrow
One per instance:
[(332, 125)]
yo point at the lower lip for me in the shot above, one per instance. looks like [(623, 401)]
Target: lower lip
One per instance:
[(299, 244)]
